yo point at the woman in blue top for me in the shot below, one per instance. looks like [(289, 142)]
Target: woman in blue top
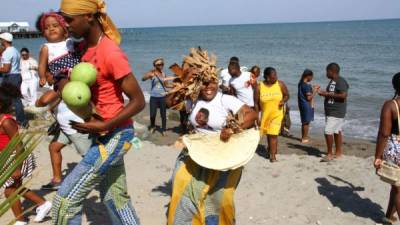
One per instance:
[(306, 104), (157, 95)]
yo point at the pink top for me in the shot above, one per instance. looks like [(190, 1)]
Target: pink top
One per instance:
[(4, 138), (112, 65)]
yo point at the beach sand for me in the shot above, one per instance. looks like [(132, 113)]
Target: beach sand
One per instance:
[(298, 189)]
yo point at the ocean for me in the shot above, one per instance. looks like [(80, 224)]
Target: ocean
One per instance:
[(367, 51)]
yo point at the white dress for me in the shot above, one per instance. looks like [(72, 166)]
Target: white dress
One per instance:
[(30, 81)]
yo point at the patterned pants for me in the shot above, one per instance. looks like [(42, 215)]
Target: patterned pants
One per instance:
[(103, 164), (202, 196)]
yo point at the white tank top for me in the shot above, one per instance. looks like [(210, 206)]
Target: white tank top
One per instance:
[(56, 50)]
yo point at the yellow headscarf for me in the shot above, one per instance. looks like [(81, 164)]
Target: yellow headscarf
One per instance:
[(79, 7)]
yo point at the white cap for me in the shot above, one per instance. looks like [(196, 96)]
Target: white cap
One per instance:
[(6, 36)]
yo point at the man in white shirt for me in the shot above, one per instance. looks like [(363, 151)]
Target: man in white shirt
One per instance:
[(240, 85), (10, 70), (30, 80)]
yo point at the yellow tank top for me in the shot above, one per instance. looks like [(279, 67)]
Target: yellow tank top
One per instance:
[(270, 96)]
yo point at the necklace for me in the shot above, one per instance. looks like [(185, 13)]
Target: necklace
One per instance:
[(93, 57)]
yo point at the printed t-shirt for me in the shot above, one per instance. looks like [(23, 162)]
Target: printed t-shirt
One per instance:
[(333, 107), (218, 108)]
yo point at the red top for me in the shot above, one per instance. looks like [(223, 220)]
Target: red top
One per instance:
[(4, 138), (112, 65)]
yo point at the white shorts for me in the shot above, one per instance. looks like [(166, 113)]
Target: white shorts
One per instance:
[(333, 125)]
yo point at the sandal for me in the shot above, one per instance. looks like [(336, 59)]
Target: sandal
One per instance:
[(53, 186)]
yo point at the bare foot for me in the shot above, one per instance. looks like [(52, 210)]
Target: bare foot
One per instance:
[(305, 141), (327, 158), (338, 156)]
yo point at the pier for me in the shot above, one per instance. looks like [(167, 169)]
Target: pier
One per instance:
[(26, 34)]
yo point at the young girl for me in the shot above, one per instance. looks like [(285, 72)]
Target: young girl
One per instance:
[(57, 58), (8, 129)]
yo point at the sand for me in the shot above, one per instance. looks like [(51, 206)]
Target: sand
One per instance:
[(298, 189)]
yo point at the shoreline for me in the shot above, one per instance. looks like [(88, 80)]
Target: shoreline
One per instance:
[(287, 145), (298, 189)]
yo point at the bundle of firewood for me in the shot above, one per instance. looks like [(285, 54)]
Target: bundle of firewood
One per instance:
[(198, 67)]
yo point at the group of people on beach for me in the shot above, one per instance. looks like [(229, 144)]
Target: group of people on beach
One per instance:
[(199, 195)]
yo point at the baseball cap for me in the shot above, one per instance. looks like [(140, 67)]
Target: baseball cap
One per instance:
[(6, 36)]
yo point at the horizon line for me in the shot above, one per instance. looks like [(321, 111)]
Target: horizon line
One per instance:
[(267, 23)]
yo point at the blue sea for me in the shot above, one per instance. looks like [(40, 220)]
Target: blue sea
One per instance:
[(367, 51)]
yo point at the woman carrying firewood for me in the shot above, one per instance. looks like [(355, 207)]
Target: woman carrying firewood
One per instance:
[(202, 195)]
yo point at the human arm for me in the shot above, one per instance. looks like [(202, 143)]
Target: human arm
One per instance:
[(6, 62), (148, 75), (257, 106), (131, 89), (285, 93), (340, 92), (338, 96), (11, 129), (33, 64), (249, 118), (5, 68), (47, 98), (43, 62), (385, 128)]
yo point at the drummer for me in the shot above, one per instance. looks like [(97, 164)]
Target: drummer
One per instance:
[(201, 195)]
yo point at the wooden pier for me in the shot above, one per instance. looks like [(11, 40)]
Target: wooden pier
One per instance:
[(27, 34)]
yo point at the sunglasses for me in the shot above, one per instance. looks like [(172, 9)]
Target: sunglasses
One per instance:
[(161, 64)]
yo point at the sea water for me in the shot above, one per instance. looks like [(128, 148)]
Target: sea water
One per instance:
[(367, 51)]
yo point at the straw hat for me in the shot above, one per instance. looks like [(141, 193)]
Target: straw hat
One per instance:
[(210, 152)]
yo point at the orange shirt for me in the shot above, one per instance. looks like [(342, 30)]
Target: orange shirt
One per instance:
[(112, 65)]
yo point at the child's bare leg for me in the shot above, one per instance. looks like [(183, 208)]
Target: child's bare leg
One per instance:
[(56, 160), (17, 206), (35, 198)]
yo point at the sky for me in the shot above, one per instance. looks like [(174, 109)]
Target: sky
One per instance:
[(156, 13)]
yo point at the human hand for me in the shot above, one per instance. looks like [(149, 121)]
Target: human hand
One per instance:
[(94, 126), (377, 163), (42, 81), (322, 93), (226, 134), (281, 104), (17, 175)]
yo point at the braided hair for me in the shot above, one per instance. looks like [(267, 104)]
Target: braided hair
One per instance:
[(396, 84)]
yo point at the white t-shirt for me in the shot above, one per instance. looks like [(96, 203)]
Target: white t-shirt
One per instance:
[(26, 73), (225, 76), (244, 91), (218, 109), (64, 115)]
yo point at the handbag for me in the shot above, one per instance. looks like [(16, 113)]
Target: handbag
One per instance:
[(390, 172)]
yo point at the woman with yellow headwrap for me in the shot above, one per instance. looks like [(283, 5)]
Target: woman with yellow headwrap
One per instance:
[(97, 7), (103, 163)]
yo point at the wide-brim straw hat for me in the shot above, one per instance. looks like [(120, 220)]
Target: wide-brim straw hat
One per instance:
[(210, 152)]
